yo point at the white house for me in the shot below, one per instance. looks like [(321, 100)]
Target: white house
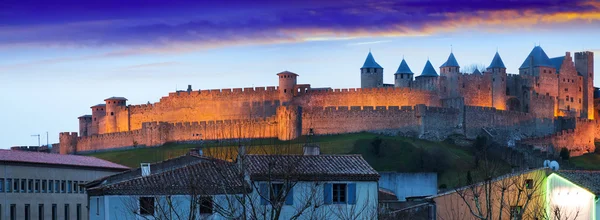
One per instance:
[(252, 187), (582, 189)]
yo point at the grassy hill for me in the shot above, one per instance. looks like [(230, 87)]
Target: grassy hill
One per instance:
[(399, 154)]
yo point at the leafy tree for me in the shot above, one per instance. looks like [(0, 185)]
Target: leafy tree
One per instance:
[(376, 146)]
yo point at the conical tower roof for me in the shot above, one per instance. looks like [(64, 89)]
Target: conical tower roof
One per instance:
[(403, 68), (428, 70), (451, 62), (537, 58), (476, 72), (370, 62), (497, 62)]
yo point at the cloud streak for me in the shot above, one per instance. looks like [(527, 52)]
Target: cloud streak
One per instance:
[(155, 27)]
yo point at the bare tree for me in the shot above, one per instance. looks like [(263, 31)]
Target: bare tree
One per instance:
[(235, 194)]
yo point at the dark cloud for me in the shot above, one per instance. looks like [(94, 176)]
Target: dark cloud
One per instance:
[(160, 23)]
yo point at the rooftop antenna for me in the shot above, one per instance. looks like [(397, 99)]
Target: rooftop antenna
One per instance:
[(38, 136), (450, 48)]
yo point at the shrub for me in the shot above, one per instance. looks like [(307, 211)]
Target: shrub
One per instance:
[(564, 153)]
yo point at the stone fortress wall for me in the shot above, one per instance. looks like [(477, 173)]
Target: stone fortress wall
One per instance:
[(512, 107)]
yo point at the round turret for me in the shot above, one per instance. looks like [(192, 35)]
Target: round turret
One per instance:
[(371, 73), (403, 76), (98, 113), (287, 84), (113, 105)]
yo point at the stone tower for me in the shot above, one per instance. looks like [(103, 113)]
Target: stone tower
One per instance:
[(289, 122), (498, 71), (98, 113), (68, 142), (403, 76), (540, 75), (287, 85), (85, 123), (451, 70), (113, 106), (584, 64), (371, 73)]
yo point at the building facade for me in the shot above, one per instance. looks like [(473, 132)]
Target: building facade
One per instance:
[(251, 187), (549, 101), (36, 185)]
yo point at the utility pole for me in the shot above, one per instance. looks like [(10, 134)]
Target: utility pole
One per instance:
[(38, 136)]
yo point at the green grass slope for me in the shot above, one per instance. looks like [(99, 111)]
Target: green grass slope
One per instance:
[(399, 154)]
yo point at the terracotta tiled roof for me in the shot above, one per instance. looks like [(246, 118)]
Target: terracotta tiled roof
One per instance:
[(589, 179), (57, 159), (207, 177), (310, 167)]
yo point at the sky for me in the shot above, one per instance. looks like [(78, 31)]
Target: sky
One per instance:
[(58, 58)]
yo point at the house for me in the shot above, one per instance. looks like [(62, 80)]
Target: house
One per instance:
[(590, 181), (307, 186), (530, 194), (36, 185)]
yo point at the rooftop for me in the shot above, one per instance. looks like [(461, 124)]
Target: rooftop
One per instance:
[(403, 68), (116, 98), (589, 179), (536, 58), (370, 62), (476, 72), (85, 116), (287, 73), (557, 62), (497, 62), (184, 175), (310, 167), (451, 62), (99, 105), (57, 159), (428, 70)]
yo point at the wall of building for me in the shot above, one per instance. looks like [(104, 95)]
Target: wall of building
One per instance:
[(573, 201), (204, 105), (46, 172), (578, 141), (389, 96), (409, 184)]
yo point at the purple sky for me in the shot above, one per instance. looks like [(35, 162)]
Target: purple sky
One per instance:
[(57, 58)]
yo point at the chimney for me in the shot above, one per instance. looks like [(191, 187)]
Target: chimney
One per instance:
[(145, 169), (189, 88), (311, 149)]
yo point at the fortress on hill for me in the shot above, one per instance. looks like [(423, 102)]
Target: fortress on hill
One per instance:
[(549, 104)]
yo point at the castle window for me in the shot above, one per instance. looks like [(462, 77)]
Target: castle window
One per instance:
[(566, 89), (580, 88), (547, 94), (284, 90), (579, 100), (567, 98), (571, 99), (544, 71), (563, 80), (401, 76), (112, 113)]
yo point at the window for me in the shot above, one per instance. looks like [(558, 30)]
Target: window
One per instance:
[(27, 213), (54, 212), (50, 186), (579, 100), (56, 186), (30, 186), (63, 186), (566, 89), (81, 188), (112, 113), (1, 184), (13, 212), (41, 212), (206, 205), (37, 186), (515, 212), (9, 185), (16, 185), (23, 185), (571, 99), (529, 183), (75, 187), (69, 187), (67, 213), (44, 185), (97, 206), (146, 205), (78, 212), (276, 191), (339, 193)]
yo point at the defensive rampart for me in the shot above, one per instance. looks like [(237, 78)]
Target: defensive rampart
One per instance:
[(578, 141), (388, 96), (207, 105)]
